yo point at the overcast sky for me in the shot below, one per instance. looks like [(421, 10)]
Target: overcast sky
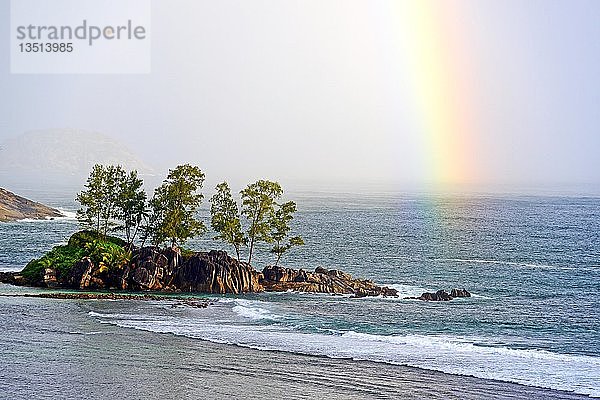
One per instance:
[(478, 94)]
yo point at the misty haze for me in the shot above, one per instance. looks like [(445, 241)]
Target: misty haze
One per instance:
[(316, 199)]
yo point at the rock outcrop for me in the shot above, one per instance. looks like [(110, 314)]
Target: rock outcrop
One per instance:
[(166, 270), (50, 278), (280, 279), (442, 295), (216, 272), (13, 208), (12, 278)]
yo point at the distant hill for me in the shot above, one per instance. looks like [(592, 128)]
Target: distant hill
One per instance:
[(13, 207), (61, 156)]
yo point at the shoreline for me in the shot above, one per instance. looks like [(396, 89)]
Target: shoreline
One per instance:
[(419, 378), (107, 361), (545, 392)]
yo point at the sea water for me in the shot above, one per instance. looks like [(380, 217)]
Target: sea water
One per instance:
[(531, 263)]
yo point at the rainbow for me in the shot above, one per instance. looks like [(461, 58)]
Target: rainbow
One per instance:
[(434, 43)]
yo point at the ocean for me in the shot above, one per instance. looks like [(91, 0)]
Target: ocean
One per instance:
[(531, 263)]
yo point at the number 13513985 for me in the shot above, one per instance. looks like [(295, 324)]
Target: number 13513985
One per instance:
[(45, 47)]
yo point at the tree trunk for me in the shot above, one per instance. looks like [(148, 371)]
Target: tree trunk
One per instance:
[(251, 229), (135, 231), (278, 254), (127, 235), (250, 252)]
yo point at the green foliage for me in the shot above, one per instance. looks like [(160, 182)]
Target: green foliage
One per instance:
[(131, 205), (100, 197), (225, 218), (106, 252), (279, 223), (81, 238), (258, 204), (149, 223), (92, 199), (185, 252), (114, 176), (174, 206), (112, 200), (62, 258), (115, 200)]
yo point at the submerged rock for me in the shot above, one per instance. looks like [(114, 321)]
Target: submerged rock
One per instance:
[(442, 295), (460, 293), (194, 302), (7, 277)]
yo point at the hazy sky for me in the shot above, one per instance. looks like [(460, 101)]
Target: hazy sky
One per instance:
[(480, 94)]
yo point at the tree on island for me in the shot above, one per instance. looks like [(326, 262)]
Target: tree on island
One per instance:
[(131, 205), (175, 204), (112, 200), (113, 177), (92, 199), (100, 197), (279, 223), (258, 204), (225, 218)]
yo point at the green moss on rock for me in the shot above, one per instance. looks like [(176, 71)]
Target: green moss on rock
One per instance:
[(61, 258), (108, 251), (82, 238)]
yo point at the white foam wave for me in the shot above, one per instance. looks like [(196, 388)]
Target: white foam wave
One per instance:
[(253, 312), (131, 317), (409, 290), (47, 219), (456, 355), (67, 216), (479, 296), (516, 264)]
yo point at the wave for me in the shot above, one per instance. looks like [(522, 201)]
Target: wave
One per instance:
[(71, 215), (131, 317), (67, 216), (472, 356), (248, 309), (409, 290), (516, 264)]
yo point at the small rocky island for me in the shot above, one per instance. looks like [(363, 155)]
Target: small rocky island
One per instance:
[(14, 208), (91, 263), (79, 265), (113, 200)]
